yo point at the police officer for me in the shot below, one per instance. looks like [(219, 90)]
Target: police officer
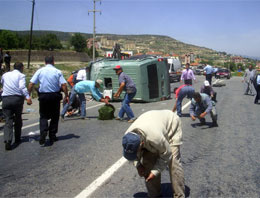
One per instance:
[(51, 83)]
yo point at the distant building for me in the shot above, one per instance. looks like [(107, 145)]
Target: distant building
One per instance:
[(192, 57), (187, 58), (90, 44), (237, 59), (155, 53)]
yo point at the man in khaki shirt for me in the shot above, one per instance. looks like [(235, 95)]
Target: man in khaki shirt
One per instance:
[(153, 142)]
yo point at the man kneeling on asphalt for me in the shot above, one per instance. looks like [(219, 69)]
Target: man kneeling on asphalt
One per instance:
[(201, 105), (153, 142)]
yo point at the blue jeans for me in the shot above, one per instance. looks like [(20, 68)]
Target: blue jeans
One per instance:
[(185, 91), (82, 100), (125, 108)]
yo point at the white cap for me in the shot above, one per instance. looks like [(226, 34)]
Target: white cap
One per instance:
[(99, 81), (206, 83)]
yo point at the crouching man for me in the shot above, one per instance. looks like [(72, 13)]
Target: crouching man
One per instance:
[(153, 142), (201, 105)]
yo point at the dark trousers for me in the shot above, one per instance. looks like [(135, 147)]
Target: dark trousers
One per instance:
[(188, 82), (7, 66), (257, 97), (12, 110), (209, 78), (49, 109)]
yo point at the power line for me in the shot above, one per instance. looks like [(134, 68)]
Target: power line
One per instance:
[(94, 24)]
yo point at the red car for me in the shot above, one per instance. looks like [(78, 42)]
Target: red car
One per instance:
[(223, 73)]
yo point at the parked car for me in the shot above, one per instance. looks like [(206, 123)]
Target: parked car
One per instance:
[(199, 70), (223, 73)]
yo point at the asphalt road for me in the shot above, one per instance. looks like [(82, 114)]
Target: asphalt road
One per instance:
[(217, 162)]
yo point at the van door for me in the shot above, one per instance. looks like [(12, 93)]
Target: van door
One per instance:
[(153, 81)]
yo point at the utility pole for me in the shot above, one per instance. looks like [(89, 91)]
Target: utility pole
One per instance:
[(30, 44), (94, 25)]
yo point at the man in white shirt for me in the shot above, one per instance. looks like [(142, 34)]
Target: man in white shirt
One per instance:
[(153, 142), (14, 91), (82, 74), (249, 77)]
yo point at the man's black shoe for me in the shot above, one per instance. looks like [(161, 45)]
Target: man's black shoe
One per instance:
[(17, 141), (202, 122), (54, 138), (8, 146), (214, 124), (42, 140)]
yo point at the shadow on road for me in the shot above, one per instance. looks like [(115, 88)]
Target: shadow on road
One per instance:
[(204, 126), (166, 190), (79, 118), (185, 115)]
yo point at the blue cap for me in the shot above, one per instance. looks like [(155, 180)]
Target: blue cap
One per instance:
[(131, 142)]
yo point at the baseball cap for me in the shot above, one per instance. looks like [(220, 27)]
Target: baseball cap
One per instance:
[(99, 81), (206, 83), (131, 142), (117, 67)]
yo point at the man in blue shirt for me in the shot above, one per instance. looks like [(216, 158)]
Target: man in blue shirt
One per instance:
[(51, 83), (201, 105), (80, 88), (126, 84), (14, 91), (209, 71)]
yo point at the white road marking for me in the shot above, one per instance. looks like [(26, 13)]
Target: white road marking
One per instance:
[(109, 172), (101, 179), (37, 123)]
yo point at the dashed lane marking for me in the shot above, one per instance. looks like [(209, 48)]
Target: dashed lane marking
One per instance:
[(101, 179)]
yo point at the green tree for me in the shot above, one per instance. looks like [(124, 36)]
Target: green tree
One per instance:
[(50, 42), (78, 42), (231, 66), (8, 39), (23, 42)]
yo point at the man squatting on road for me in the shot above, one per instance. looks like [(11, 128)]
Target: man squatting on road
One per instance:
[(152, 142), (201, 105)]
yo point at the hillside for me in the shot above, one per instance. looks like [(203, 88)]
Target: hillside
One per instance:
[(136, 43)]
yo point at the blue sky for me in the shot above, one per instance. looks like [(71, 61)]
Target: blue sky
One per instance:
[(223, 25)]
